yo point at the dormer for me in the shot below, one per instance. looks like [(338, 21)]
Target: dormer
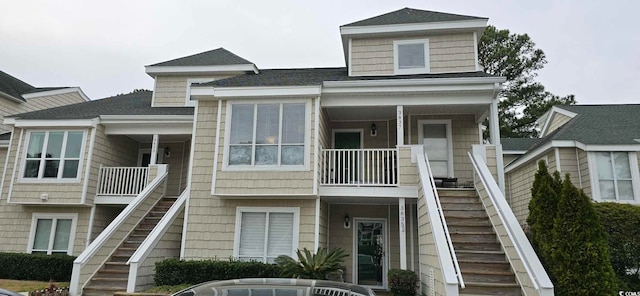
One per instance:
[(173, 78), (412, 41)]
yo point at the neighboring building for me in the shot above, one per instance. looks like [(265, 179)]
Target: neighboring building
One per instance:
[(597, 145), (17, 96), (226, 160)]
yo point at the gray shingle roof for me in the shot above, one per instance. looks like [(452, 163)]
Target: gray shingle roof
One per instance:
[(518, 144), (216, 57), (14, 86), (602, 124), (136, 103), (411, 16), (316, 76)]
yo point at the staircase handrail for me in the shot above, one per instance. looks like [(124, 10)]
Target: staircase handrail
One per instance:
[(531, 263), (436, 197), (153, 238), (109, 231)]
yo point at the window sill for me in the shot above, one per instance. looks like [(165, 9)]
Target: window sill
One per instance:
[(49, 181)]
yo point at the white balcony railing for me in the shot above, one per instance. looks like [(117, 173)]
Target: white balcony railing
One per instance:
[(359, 167), (122, 181)]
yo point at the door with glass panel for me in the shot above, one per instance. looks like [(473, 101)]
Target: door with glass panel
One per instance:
[(370, 260), (435, 136)]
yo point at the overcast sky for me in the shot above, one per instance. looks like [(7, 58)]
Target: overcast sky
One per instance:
[(592, 47)]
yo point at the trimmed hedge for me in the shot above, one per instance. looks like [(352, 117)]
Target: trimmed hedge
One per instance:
[(621, 222), (403, 282), (173, 272), (36, 267)]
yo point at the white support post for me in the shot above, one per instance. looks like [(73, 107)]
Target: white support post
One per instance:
[(402, 233), (494, 123), (400, 125), (154, 150)]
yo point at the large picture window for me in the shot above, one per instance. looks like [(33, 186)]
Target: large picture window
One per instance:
[(614, 176), (52, 234), (267, 135), (53, 155), (262, 234)]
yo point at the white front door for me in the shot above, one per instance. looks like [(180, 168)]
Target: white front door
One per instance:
[(435, 135), (370, 261)]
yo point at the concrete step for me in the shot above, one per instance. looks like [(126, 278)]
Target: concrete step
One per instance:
[(473, 288)]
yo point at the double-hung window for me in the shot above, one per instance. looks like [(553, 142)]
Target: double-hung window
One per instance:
[(615, 176), (411, 56), (52, 233), (267, 135), (262, 234), (53, 155)]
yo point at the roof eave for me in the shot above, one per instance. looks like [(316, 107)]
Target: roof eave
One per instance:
[(57, 92), (10, 97), (217, 69), (203, 92)]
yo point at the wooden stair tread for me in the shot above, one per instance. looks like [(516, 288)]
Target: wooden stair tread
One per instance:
[(482, 284), (486, 272)]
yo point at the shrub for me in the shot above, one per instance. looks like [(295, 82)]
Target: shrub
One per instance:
[(622, 225), (403, 282), (312, 266), (36, 267), (581, 262), (173, 272)]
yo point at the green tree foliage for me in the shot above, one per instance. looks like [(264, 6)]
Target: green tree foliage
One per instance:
[(312, 266), (622, 224), (581, 262), (522, 100), (542, 211)]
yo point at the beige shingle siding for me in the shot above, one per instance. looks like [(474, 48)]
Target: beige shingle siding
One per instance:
[(556, 122), (176, 181), (408, 171), (167, 247), (3, 162), (507, 244), (340, 237), (171, 90), (428, 254), (8, 107), (584, 172), (569, 164), (324, 224), (465, 134), (103, 215), (59, 193), (447, 53), (211, 225), (255, 182), (520, 181)]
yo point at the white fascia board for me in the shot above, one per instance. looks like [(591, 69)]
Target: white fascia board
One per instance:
[(57, 92), (395, 99), (153, 70), (414, 82), (43, 123), (528, 157), (409, 89), (477, 24), (4, 143), (106, 119), (626, 147), (149, 128), (546, 117), (257, 92), (514, 152)]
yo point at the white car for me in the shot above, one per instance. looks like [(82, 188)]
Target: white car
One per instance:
[(276, 287)]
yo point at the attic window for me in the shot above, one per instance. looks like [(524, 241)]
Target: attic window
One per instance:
[(411, 56)]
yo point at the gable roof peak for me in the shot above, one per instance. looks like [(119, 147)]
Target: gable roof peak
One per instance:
[(216, 57), (411, 15)]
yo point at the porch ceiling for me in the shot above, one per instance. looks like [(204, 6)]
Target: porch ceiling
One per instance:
[(370, 113)]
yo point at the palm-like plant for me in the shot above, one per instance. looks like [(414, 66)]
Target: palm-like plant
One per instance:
[(312, 266)]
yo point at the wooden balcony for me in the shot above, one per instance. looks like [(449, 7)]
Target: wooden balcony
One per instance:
[(359, 167), (122, 181)]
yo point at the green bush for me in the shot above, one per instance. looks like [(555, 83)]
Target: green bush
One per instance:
[(173, 272), (403, 282), (622, 224), (581, 262), (36, 267)]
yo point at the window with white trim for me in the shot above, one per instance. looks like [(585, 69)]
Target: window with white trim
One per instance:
[(262, 234), (53, 155), (267, 135), (411, 56), (615, 179), (52, 233)]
